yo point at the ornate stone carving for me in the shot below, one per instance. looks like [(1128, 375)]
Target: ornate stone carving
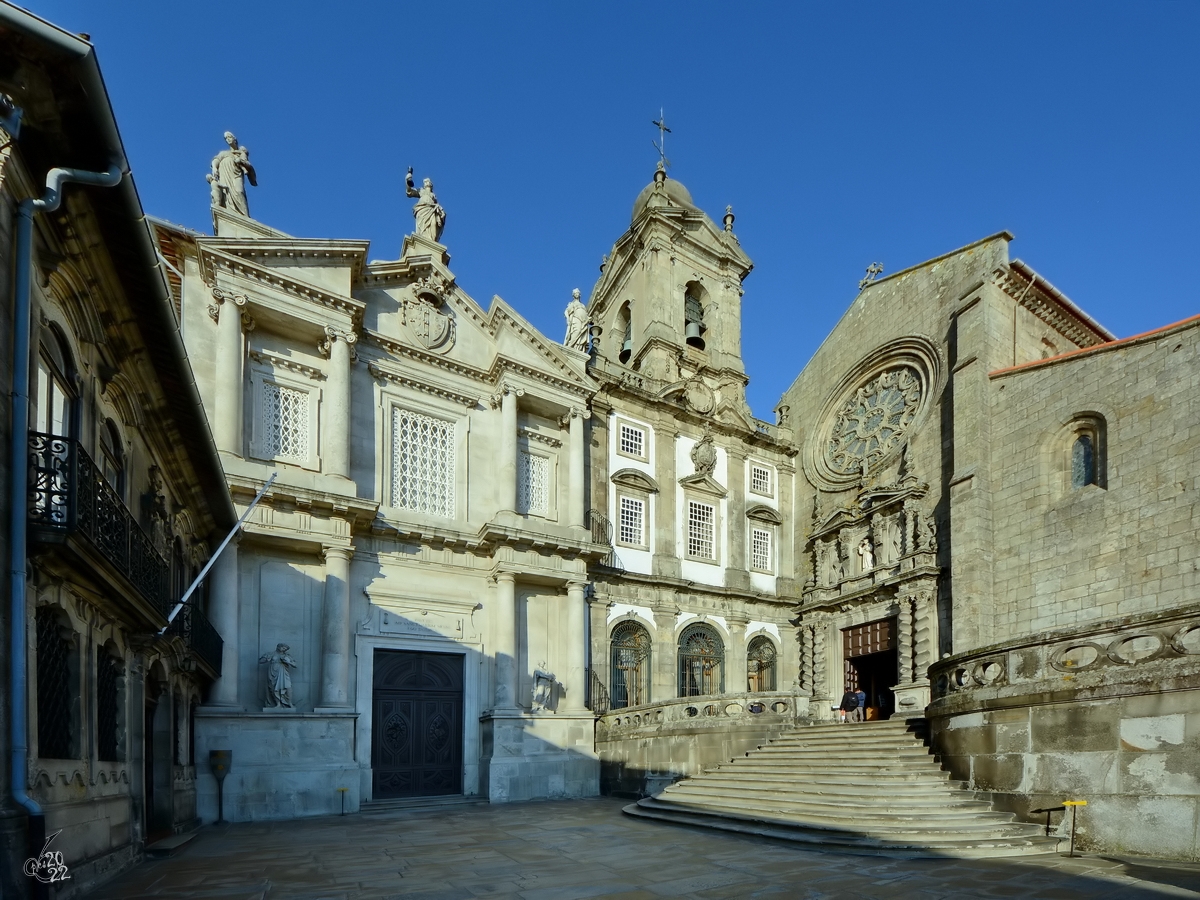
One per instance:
[(866, 554), (699, 396), (704, 455), (872, 422), (579, 324), (325, 347), (230, 169), (430, 216), (219, 297), (279, 677), (432, 329)]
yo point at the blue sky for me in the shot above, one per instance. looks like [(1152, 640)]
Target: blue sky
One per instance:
[(841, 134)]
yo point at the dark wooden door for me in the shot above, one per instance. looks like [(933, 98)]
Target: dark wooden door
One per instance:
[(416, 724)]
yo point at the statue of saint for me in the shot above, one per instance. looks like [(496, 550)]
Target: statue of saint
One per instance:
[(430, 216), (867, 553), (230, 169), (279, 678), (543, 687), (579, 324)]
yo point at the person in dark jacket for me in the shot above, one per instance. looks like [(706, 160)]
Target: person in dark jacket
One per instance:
[(849, 704)]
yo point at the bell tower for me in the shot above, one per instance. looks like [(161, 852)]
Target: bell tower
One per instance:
[(669, 298)]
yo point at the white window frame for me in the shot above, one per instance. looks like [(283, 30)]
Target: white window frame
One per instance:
[(715, 508), (769, 532), (259, 448), (621, 425), (770, 473), (634, 497), (389, 473)]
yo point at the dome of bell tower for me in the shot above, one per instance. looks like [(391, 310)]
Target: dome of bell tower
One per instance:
[(662, 191)]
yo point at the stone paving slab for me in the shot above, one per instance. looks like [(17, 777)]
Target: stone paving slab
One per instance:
[(583, 849)]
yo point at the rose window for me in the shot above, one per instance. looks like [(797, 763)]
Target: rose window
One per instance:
[(872, 423)]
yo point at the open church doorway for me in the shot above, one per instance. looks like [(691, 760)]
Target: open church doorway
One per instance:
[(416, 724), (873, 664)]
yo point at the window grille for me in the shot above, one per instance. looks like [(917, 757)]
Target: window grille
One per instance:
[(760, 479), (630, 666), (700, 530), (633, 441), (633, 521), (701, 658), (54, 692), (285, 423), (760, 665), (533, 484), (108, 673), (422, 463), (760, 549)]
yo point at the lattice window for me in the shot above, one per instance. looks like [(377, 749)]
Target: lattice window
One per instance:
[(55, 696), (533, 484), (108, 706), (285, 423), (633, 521), (633, 441), (760, 480), (701, 661), (760, 665), (630, 665), (701, 530), (760, 549), (422, 463)]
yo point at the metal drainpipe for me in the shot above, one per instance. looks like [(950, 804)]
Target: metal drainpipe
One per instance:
[(19, 455)]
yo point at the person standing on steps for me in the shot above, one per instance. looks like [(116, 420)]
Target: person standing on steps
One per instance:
[(849, 705), (860, 712)]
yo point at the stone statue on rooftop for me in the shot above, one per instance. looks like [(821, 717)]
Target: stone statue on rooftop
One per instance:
[(279, 677), (227, 181), (578, 324), (430, 216)]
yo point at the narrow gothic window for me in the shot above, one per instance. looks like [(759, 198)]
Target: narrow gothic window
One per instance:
[(533, 484), (760, 665), (285, 423), (1083, 462), (630, 665), (422, 463), (701, 658), (693, 320), (108, 706), (701, 530), (633, 521), (760, 549), (633, 441), (55, 694)]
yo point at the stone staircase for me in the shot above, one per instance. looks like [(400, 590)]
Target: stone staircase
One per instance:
[(872, 788)]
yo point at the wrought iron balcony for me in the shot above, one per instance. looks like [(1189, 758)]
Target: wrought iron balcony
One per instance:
[(200, 636)]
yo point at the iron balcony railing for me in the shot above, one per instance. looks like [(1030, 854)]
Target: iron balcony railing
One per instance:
[(69, 496)]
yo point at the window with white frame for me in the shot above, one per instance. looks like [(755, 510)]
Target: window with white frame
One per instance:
[(760, 479), (285, 423), (760, 549), (423, 468), (701, 534), (631, 440), (632, 521), (533, 483)]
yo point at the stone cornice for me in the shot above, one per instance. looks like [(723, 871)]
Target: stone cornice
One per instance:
[(214, 261), (539, 438), (1028, 295), (283, 249), (382, 372), (282, 362)]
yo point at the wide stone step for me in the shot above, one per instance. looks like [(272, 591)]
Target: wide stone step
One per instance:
[(921, 819), (776, 754), (832, 746), (898, 778), (859, 843), (933, 798)]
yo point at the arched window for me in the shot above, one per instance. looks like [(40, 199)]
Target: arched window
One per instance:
[(110, 705), (57, 687), (701, 661), (54, 401), (630, 677), (760, 665), (1083, 462), (693, 316), (624, 332), (1085, 443), (112, 459)]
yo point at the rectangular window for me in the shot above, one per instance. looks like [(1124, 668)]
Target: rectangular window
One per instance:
[(760, 480), (633, 521), (701, 518), (633, 441), (285, 423), (760, 549), (533, 484), (422, 463)]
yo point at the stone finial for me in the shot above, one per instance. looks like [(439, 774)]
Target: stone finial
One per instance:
[(729, 219)]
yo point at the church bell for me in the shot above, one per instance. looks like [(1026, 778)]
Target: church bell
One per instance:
[(693, 335)]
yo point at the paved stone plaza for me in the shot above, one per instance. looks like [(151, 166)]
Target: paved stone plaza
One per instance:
[(563, 850)]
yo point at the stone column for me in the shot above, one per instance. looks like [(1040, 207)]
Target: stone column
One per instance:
[(223, 612), (665, 561), (335, 631), (789, 565), (598, 618), (507, 479), (806, 660), (924, 634), (664, 656), (576, 675), (735, 655), (335, 421), (737, 575), (504, 630), (820, 666), (230, 376), (577, 485), (904, 639)]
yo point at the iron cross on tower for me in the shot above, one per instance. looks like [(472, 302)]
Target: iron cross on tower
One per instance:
[(661, 144)]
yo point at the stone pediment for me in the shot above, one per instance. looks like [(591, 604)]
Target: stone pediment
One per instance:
[(632, 478), (703, 483), (764, 513)]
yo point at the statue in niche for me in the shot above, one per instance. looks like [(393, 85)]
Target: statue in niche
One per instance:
[(926, 531), (279, 677), (430, 216), (843, 555), (866, 554), (230, 169), (543, 687), (704, 455), (891, 528), (824, 563), (579, 324)]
